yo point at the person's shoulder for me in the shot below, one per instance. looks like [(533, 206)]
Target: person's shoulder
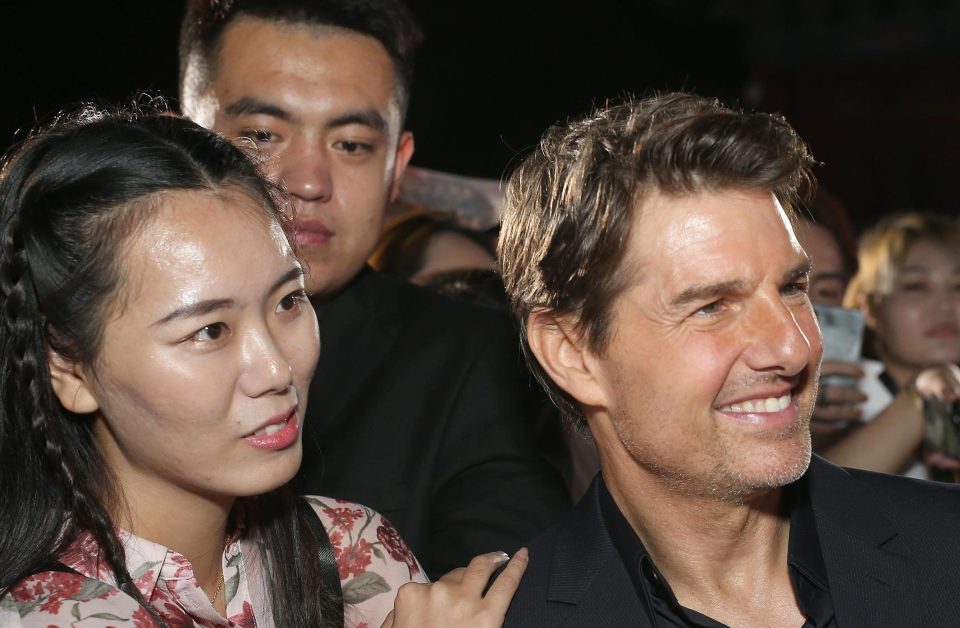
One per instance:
[(65, 597), (899, 489), (428, 308), (364, 541), (373, 561)]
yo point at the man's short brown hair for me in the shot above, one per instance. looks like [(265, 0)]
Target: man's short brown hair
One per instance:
[(572, 203)]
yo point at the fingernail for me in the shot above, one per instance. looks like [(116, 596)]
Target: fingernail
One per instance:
[(522, 554), (498, 557)]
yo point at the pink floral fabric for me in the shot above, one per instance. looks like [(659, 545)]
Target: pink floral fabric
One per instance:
[(372, 559)]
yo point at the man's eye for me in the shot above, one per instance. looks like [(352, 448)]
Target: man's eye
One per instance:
[(210, 333), (352, 147), (796, 288), (258, 136), (709, 309)]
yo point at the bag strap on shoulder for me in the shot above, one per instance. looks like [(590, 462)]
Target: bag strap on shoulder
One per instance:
[(329, 573)]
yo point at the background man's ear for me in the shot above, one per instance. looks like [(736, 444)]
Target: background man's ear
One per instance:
[(404, 153), (563, 353), (69, 384)]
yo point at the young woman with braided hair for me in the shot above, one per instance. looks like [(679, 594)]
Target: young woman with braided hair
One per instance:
[(156, 347)]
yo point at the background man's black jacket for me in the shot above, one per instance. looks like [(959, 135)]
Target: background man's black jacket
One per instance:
[(891, 548), (421, 409)]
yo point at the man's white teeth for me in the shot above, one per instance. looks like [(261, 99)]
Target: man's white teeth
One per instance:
[(273, 428), (770, 404)]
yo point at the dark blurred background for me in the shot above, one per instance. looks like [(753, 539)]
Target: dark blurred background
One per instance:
[(873, 86)]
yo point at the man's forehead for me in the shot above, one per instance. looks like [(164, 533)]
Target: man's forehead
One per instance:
[(694, 237), (299, 71)]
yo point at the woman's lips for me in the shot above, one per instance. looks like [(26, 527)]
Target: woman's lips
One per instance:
[(278, 434), (943, 330)]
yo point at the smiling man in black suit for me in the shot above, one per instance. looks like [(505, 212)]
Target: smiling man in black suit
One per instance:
[(420, 407), (649, 254)]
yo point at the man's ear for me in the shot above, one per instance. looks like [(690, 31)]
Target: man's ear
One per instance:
[(563, 353), (69, 384), (402, 158)]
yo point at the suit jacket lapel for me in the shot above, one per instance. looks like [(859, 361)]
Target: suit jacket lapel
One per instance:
[(588, 575), (356, 330), (870, 583)]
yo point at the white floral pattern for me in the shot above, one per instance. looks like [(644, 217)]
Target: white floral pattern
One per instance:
[(372, 560)]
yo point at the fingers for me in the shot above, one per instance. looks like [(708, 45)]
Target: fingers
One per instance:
[(388, 621), (848, 369), (457, 598), (836, 402), (478, 572), (454, 576), (833, 413), (942, 461), (939, 382), (501, 591)]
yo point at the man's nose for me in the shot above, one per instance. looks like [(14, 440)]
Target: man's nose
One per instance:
[(304, 170), (783, 338)]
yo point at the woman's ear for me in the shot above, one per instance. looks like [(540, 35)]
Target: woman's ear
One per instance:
[(868, 304), (563, 353), (69, 384)]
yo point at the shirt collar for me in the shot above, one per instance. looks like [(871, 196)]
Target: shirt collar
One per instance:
[(804, 556)]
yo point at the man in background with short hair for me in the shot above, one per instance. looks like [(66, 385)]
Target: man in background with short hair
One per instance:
[(419, 407)]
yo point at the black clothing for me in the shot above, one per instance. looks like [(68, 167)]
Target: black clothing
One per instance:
[(889, 550), (421, 409), (804, 559)]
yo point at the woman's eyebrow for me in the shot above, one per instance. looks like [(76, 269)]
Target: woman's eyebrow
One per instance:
[(200, 308)]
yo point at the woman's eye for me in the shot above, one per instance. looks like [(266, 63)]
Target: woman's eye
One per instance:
[(292, 301), (210, 333), (912, 287)]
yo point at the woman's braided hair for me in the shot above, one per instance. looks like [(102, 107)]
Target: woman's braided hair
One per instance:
[(70, 198)]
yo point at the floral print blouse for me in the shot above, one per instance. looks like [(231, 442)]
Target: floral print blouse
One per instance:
[(372, 559)]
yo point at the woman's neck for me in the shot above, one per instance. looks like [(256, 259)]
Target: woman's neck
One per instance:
[(189, 524), (901, 373)]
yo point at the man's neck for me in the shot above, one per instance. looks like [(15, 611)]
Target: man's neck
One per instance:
[(725, 559)]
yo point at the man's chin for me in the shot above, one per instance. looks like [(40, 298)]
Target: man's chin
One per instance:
[(323, 279)]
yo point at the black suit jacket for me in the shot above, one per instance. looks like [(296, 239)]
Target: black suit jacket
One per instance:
[(891, 548), (420, 408)]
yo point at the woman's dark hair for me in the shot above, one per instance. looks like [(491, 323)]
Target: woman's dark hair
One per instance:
[(70, 199)]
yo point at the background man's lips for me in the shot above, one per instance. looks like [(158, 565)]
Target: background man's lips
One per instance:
[(311, 237)]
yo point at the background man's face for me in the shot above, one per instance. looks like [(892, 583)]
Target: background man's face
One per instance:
[(320, 107), (710, 373)]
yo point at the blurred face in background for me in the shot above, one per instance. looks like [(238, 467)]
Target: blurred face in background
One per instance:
[(828, 279), (918, 323)]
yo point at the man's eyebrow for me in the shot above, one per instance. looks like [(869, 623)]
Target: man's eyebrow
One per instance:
[(200, 308), (367, 117), (702, 292), (254, 106), (802, 269), (706, 292)]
